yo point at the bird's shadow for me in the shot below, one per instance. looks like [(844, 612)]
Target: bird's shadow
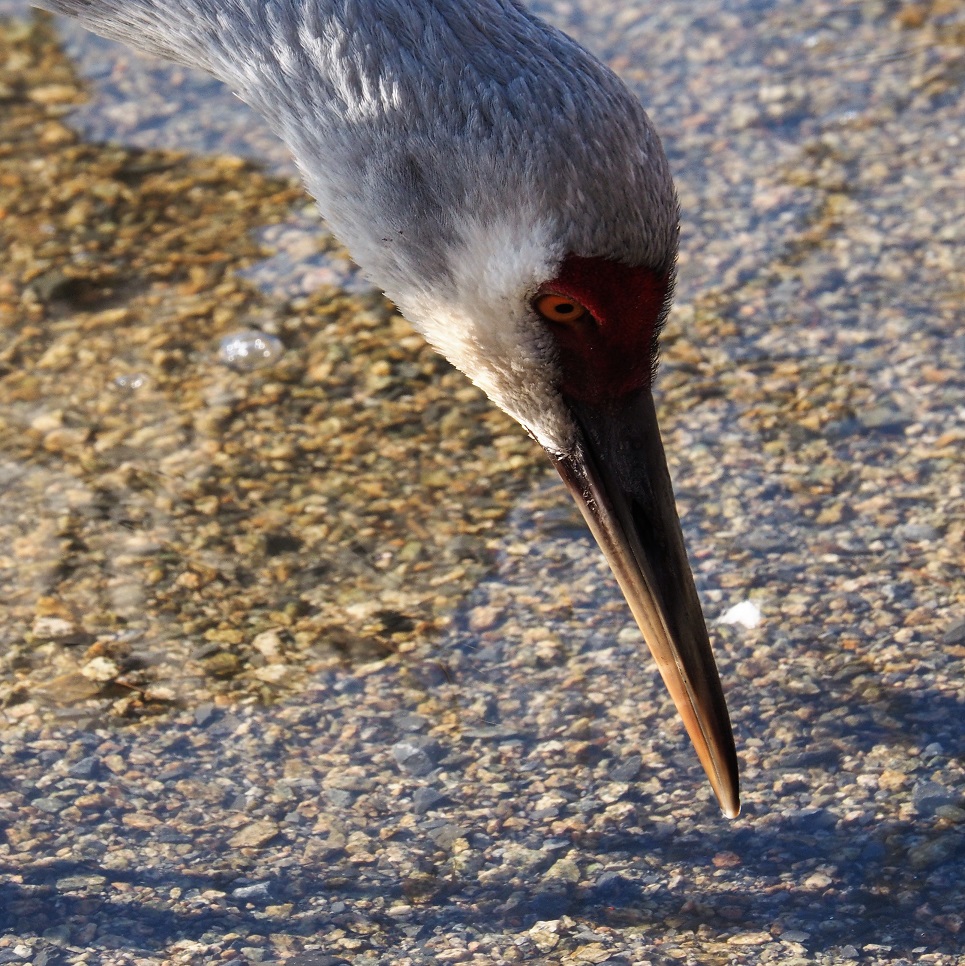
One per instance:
[(757, 887)]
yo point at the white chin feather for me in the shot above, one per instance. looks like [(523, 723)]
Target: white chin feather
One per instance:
[(483, 323)]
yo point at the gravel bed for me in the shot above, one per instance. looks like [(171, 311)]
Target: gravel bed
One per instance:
[(311, 661)]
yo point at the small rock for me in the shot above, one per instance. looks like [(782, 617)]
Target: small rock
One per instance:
[(750, 939), (931, 853), (81, 882), (51, 806), (85, 768), (254, 836), (817, 880), (100, 669), (278, 675), (627, 770), (746, 613), (418, 756), (204, 714), (425, 799), (916, 533), (446, 836), (891, 779), (483, 618), (929, 796), (545, 935), (563, 870), (420, 886), (955, 634), (223, 664), (268, 643), (252, 893)]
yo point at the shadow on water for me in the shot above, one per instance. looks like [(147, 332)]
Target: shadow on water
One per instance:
[(654, 877), (616, 900)]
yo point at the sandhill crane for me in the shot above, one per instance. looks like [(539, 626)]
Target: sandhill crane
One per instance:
[(511, 196)]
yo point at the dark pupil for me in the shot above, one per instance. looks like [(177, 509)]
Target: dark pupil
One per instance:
[(564, 308)]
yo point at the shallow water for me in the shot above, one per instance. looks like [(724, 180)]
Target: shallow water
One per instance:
[(271, 692)]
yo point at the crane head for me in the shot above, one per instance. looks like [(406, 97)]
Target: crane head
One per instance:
[(568, 346)]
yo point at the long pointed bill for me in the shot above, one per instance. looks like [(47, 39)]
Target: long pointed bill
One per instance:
[(617, 473)]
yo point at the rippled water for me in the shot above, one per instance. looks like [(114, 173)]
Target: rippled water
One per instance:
[(295, 617)]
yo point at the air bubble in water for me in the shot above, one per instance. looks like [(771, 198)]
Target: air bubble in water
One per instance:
[(130, 382), (249, 350)]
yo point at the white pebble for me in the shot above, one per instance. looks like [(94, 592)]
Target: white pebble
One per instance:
[(100, 669), (746, 613)]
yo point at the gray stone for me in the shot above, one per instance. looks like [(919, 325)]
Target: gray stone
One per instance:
[(417, 755), (424, 799)]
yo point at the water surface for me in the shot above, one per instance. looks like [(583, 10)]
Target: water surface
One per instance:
[(316, 660)]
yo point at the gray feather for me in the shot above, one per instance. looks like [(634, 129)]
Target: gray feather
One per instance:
[(402, 114)]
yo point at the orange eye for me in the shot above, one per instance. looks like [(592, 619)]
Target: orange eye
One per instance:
[(559, 308)]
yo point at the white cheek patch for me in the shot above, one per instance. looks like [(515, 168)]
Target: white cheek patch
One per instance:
[(503, 259), (483, 324)]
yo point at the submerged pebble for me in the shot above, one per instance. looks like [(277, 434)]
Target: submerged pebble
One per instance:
[(746, 613)]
